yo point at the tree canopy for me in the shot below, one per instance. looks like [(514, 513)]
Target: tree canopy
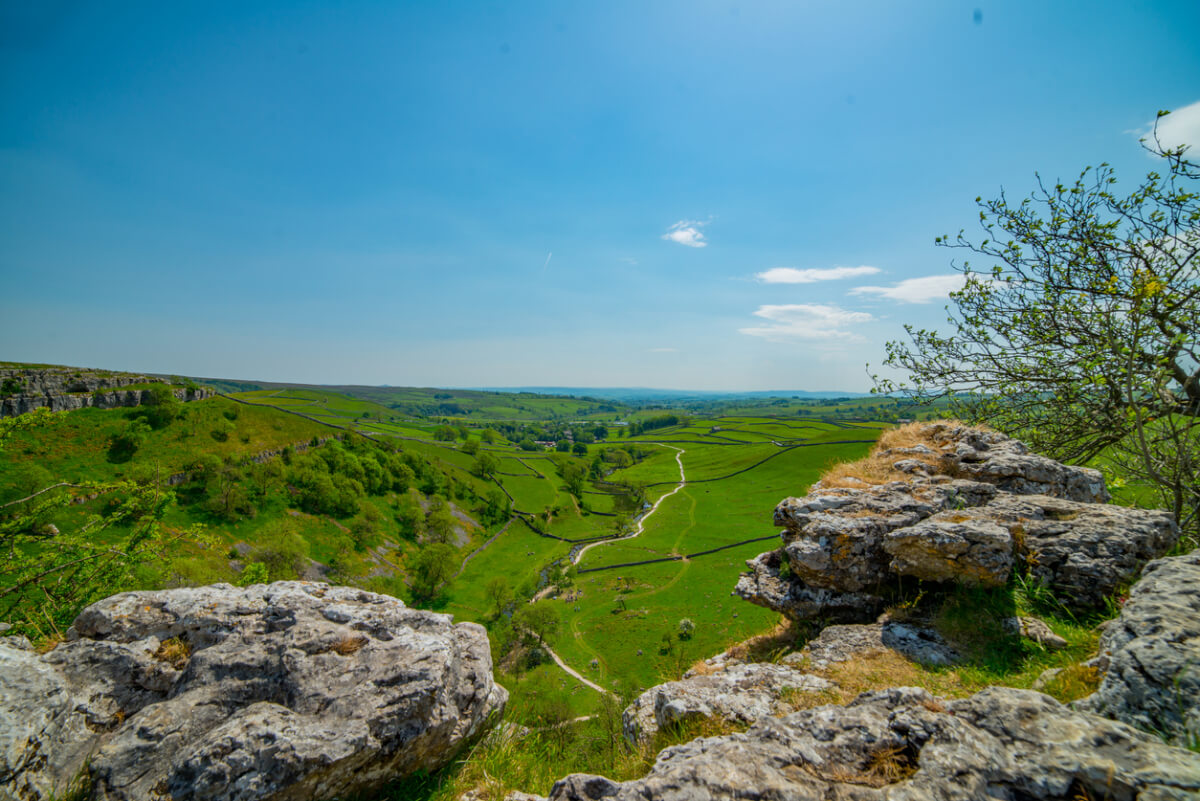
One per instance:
[(1080, 334)]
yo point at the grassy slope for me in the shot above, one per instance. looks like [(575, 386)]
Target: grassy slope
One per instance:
[(75, 448)]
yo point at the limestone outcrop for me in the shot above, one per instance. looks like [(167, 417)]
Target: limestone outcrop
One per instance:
[(741, 693), (1150, 654), (292, 690), (62, 389), (971, 505), (904, 743), (847, 642)]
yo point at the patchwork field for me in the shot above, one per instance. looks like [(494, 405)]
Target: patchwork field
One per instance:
[(593, 520)]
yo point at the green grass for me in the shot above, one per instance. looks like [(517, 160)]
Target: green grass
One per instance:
[(75, 447)]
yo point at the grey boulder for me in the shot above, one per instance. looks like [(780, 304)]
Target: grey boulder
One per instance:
[(847, 642), (742, 693), (1151, 654), (290, 690)]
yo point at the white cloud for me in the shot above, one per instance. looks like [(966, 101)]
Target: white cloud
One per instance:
[(687, 232), (630, 260), (806, 321), (916, 290), (664, 350), (1180, 127), (791, 275)]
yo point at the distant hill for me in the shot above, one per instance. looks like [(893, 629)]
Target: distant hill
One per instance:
[(642, 394)]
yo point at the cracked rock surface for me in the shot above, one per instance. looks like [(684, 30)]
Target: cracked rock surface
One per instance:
[(1151, 654), (291, 690), (979, 504), (742, 693), (905, 744)]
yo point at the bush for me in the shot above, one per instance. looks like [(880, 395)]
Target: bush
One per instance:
[(253, 573)]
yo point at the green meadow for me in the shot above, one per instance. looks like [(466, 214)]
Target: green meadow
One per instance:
[(618, 625)]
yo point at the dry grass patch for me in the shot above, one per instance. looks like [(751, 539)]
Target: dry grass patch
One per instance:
[(876, 468), (348, 645), (1073, 682), (768, 647), (886, 765), (884, 668), (176, 652)]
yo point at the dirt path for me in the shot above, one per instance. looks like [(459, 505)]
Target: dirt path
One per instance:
[(641, 525), (571, 671)]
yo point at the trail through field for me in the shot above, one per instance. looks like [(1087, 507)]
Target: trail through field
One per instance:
[(571, 671), (558, 660), (641, 525)]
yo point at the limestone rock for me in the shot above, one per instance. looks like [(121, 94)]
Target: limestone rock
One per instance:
[(764, 586), (953, 546), (1033, 630), (290, 690), (1085, 552), (840, 547), (992, 457), (906, 744), (743, 693), (993, 506), (66, 388), (1152, 653), (846, 642)]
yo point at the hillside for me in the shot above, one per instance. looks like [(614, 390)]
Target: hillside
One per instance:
[(466, 516)]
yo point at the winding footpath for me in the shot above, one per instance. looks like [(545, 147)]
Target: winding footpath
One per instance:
[(641, 526)]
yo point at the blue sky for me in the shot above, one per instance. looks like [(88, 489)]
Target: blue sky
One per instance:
[(669, 194)]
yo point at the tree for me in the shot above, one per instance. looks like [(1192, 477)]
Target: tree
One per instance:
[(409, 514), (162, 407), (574, 473), (486, 464), (439, 525), (1081, 336), (253, 573), (432, 567), (122, 446), (579, 449), (471, 447), (499, 593), (540, 619), (496, 506)]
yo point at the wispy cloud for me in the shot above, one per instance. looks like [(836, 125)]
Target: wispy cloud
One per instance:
[(807, 321), (547, 262), (630, 260), (687, 232), (791, 275), (916, 290), (1180, 127), (664, 350)]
